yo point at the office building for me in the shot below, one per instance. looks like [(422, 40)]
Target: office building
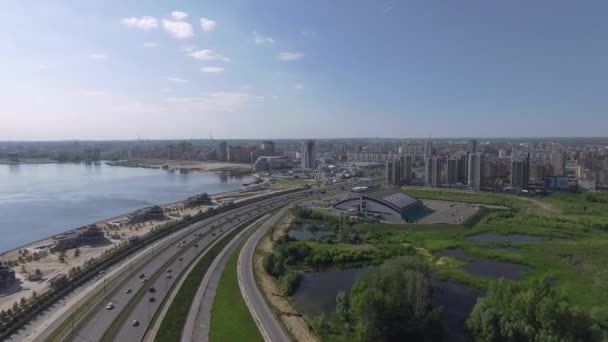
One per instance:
[(392, 172), (433, 172), (558, 162), (475, 167), (309, 154)]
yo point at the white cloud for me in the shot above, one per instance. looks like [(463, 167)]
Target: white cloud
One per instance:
[(260, 39), (143, 23), (178, 15), (97, 56), (178, 29), (298, 86), (208, 55), (166, 90), (189, 48), (150, 44), (259, 98), (290, 56), (212, 69), (176, 80), (207, 25), (212, 102)]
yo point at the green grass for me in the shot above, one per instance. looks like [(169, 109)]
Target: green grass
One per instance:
[(172, 326), (230, 317), (574, 249)]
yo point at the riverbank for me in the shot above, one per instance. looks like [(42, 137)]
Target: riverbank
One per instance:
[(185, 165), (36, 257)]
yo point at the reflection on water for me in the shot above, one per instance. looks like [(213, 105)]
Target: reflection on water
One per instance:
[(457, 301), (39, 200), (456, 253), (495, 268)]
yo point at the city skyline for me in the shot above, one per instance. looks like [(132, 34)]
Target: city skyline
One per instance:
[(389, 69)]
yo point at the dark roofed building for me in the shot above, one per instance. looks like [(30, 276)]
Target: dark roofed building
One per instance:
[(147, 214), (87, 235), (7, 276), (387, 204), (196, 200)]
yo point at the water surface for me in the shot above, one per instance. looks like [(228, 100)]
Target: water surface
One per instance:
[(495, 268), (40, 200)]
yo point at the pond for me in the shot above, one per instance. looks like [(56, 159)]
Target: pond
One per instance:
[(512, 238), (317, 293), (457, 301), (495, 268), (456, 253)]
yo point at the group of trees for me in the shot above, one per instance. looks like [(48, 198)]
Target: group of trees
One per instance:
[(528, 312), (391, 304)]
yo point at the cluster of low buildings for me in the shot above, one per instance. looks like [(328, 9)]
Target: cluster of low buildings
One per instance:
[(83, 236), (146, 214)]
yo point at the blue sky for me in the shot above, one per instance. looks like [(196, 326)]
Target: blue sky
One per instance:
[(294, 69)]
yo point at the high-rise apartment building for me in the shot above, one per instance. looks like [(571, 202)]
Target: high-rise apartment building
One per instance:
[(558, 161), (472, 146), (406, 168), (433, 172), (452, 171), (392, 172), (475, 170), (520, 174), (268, 148), (309, 154), (222, 151)]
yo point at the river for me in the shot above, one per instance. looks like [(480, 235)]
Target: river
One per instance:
[(40, 200)]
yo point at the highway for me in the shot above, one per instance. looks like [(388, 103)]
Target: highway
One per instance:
[(199, 317), (270, 328), (207, 230)]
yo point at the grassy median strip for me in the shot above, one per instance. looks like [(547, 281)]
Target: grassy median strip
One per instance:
[(120, 320), (230, 317), (172, 325)]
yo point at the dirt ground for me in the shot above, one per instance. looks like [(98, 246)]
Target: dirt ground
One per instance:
[(193, 165), (117, 230), (296, 324)]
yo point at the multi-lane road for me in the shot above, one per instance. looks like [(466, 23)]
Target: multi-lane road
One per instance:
[(167, 255), (136, 305)]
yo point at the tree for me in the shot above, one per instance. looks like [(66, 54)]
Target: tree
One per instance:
[(23, 270), (533, 312), (343, 307), (77, 253), (394, 303), (38, 272)]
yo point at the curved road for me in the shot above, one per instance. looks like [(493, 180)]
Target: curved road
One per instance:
[(270, 328)]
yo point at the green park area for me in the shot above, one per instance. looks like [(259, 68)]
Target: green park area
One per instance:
[(560, 240)]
